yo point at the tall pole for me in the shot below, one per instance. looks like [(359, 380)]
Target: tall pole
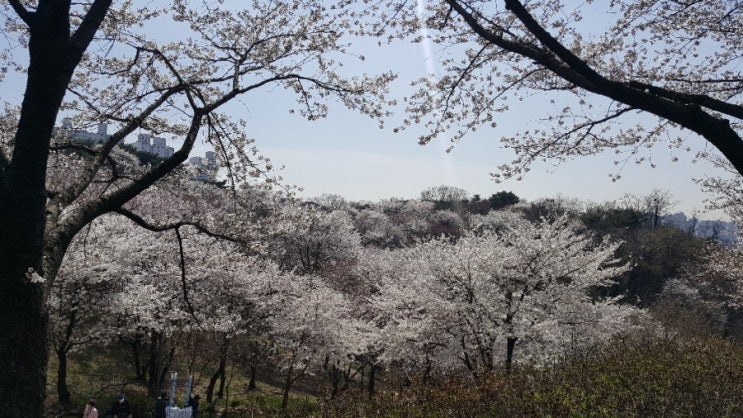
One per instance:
[(188, 390), (173, 377)]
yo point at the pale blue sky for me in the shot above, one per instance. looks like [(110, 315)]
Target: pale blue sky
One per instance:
[(348, 155)]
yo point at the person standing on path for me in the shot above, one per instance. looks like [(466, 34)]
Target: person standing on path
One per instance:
[(121, 408), (90, 410), (194, 404), (161, 404)]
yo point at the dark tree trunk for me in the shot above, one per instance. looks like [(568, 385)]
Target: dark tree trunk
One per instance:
[(335, 381), (53, 57), (253, 373), (62, 391), (158, 363), (334, 375), (222, 383), (372, 379), (363, 376), (23, 349), (510, 344), (140, 371), (287, 387), (61, 348), (219, 374), (23, 346)]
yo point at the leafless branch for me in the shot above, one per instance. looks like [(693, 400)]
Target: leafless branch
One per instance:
[(21, 11)]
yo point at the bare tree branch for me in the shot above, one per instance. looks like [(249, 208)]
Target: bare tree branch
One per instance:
[(21, 11), (175, 225), (88, 28), (660, 102)]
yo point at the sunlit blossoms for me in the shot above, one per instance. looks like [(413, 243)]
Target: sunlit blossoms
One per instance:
[(490, 298)]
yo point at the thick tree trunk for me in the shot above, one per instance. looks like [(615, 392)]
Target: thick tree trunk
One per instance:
[(23, 346)]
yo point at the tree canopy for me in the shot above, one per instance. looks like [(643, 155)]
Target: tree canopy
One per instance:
[(601, 66), (105, 61)]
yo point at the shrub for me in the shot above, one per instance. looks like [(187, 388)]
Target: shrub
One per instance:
[(633, 377)]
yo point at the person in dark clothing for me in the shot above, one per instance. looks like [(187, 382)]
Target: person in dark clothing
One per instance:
[(121, 408), (160, 405), (194, 404)]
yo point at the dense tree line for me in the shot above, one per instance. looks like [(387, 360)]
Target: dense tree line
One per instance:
[(356, 291)]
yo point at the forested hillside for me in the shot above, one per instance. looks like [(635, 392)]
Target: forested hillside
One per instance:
[(268, 289)]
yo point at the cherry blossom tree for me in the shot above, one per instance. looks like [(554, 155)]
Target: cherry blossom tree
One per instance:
[(169, 272), (409, 215), (444, 193), (472, 301), (376, 228), (712, 290), (445, 222), (314, 326), (727, 190), (112, 286), (232, 297), (314, 241), (80, 297), (493, 221), (104, 62), (160, 290), (331, 202), (597, 65)]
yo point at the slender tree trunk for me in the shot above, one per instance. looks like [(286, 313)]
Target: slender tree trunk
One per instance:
[(287, 386), (222, 382), (62, 391), (334, 375), (335, 379), (140, 372), (219, 374), (253, 373), (158, 363), (363, 376), (61, 348), (372, 379), (510, 344)]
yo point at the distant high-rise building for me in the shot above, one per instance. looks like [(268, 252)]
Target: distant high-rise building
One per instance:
[(153, 145), (68, 132), (206, 167)]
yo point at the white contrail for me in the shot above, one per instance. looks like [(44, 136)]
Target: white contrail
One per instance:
[(449, 171)]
